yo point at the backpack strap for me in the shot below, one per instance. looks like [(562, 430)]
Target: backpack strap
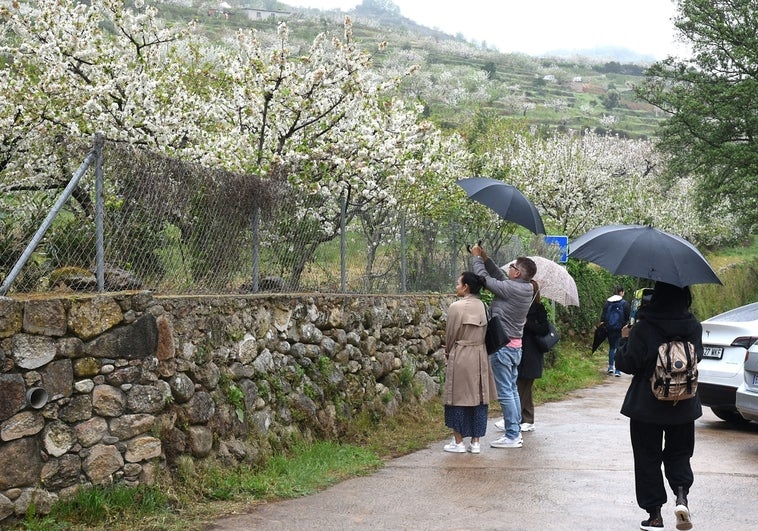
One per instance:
[(689, 365)]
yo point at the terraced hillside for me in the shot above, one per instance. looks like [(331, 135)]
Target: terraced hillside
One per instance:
[(457, 79)]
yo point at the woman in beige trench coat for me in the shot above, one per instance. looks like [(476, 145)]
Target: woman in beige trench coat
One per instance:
[(469, 386)]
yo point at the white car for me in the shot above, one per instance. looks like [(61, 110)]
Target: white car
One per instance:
[(726, 338), (747, 392)]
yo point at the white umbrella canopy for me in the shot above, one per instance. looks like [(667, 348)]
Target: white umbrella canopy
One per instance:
[(555, 281)]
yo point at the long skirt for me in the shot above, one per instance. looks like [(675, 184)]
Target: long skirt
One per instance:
[(469, 421)]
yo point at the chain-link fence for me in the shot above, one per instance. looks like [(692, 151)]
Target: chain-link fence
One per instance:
[(178, 228)]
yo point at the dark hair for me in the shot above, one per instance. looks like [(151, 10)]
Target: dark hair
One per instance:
[(618, 289), (669, 297), (528, 267), (536, 288), (474, 282)]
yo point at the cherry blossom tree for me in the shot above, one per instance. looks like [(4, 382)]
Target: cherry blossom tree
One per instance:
[(320, 121), (582, 180), (316, 121)]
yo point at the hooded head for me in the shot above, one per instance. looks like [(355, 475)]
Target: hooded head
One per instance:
[(670, 298)]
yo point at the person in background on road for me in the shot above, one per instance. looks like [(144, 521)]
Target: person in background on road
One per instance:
[(513, 295), (468, 383), (662, 433), (615, 315)]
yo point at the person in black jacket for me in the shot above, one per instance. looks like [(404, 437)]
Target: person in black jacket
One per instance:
[(662, 433)]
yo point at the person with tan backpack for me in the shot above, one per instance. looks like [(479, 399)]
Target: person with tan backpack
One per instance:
[(662, 429)]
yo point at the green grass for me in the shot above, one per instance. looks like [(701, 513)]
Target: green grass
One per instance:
[(737, 267), (95, 505), (411, 430), (207, 489), (748, 251), (574, 368), (305, 469)]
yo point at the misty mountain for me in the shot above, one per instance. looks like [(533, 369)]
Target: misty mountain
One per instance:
[(387, 14), (603, 53)]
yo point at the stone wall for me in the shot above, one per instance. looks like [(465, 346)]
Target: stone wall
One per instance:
[(114, 388)]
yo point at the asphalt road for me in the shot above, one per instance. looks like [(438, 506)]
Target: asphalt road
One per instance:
[(575, 471)]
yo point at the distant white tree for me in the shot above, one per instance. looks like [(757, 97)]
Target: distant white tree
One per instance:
[(580, 181)]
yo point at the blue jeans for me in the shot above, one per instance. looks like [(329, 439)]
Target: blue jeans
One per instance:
[(614, 336), (504, 364)]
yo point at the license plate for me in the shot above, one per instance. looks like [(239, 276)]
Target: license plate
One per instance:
[(755, 379), (713, 352)]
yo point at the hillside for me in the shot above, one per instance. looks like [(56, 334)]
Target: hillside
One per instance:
[(456, 78)]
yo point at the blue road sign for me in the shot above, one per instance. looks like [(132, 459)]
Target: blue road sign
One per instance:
[(563, 245)]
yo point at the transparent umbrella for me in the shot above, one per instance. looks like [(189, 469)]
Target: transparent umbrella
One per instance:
[(555, 281)]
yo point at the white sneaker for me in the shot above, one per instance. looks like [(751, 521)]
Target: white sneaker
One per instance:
[(505, 442), (475, 448), (527, 426), (682, 517), (454, 447), (500, 425)]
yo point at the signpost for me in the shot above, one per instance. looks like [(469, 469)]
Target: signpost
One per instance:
[(562, 242)]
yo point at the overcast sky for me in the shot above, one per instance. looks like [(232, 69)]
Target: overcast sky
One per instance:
[(535, 27)]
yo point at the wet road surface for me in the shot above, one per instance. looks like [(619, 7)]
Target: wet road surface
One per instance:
[(575, 471)]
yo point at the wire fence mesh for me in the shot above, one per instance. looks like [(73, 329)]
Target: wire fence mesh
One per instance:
[(177, 228)]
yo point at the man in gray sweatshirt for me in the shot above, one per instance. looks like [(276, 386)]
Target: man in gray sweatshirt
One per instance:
[(513, 294)]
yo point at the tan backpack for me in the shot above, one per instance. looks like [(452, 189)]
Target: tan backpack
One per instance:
[(675, 374)]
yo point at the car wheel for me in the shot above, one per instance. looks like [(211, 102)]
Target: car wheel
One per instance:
[(730, 415)]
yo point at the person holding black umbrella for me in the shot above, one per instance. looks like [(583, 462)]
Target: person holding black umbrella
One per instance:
[(662, 432)]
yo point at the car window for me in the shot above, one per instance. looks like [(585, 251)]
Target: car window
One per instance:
[(741, 314)]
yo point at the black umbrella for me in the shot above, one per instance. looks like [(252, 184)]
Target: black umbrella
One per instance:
[(645, 252), (601, 334), (505, 200)]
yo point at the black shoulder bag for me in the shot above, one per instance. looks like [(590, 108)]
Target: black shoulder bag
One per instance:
[(495, 337)]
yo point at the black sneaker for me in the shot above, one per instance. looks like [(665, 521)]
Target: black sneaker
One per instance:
[(652, 523)]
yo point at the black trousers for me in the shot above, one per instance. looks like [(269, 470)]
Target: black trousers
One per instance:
[(524, 386), (654, 445)]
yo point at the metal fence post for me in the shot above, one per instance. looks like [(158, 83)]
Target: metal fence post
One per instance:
[(343, 244), (99, 209), (403, 271), (256, 247), (65, 195)]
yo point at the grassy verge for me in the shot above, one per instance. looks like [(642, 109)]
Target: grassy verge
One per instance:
[(205, 490), (574, 368)]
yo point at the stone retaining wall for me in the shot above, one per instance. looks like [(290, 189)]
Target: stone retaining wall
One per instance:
[(114, 388)]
